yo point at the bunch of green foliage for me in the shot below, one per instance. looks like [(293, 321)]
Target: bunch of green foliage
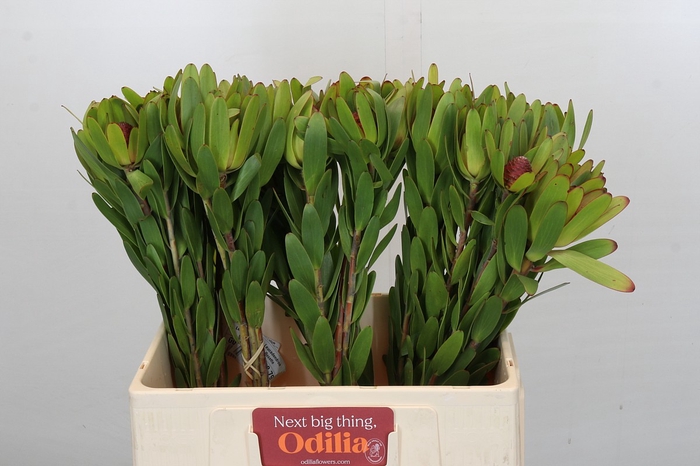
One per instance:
[(225, 193), (495, 194)]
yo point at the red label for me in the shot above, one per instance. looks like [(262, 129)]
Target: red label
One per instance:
[(313, 436)]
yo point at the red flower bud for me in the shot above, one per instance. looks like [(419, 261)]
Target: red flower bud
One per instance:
[(126, 130), (514, 168)]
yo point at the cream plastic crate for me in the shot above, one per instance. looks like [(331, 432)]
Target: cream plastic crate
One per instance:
[(434, 426)]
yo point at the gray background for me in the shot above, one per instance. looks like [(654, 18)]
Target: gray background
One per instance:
[(610, 378)]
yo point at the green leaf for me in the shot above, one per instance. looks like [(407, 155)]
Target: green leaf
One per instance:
[(359, 353), (381, 169), (344, 232), (223, 210), (428, 229), (412, 200), (417, 257), (219, 129), (250, 168), (505, 145), (524, 181), (274, 149), (304, 354), (435, 294), (530, 284), (461, 266), (217, 359), (542, 155), (595, 248), (172, 142), (312, 233), (473, 136), (555, 191), (498, 165), (315, 152), (549, 231), (427, 339), (617, 205), (583, 219), (300, 262), (191, 230), (181, 334), (115, 218), (366, 116), (481, 218), (247, 133), (207, 80), (255, 305), (515, 236), (457, 207), (305, 305), (322, 345), (447, 353), (256, 269), (423, 109), (586, 129), (389, 212), (239, 272), (115, 138), (513, 289), (176, 354), (187, 281), (458, 379), (207, 173), (425, 169), (232, 310), (517, 108), (368, 243), (487, 320), (326, 197), (364, 201), (569, 125), (191, 97), (94, 166), (382, 246), (347, 120), (593, 270), (550, 119), (140, 182), (129, 202)]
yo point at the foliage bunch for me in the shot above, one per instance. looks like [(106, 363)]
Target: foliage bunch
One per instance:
[(228, 192), (350, 135), (179, 174), (494, 189)]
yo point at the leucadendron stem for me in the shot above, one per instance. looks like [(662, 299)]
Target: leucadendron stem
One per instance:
[(464, 229), (172, 240), (342, 330)]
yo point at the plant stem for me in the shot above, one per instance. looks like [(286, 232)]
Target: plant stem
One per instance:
[(319, 292), (245, 342), (171, 233), (172, 240), (464, 229), (193, 348), (338, 337), (480, 271), (261, 359), (342, 331), (404, 334)]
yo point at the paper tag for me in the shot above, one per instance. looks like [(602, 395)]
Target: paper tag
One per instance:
[(275, 363), (356, 436)]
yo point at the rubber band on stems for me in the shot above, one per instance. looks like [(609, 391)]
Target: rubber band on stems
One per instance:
[(248, 364)]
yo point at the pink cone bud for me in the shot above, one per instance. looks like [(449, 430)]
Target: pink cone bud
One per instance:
[(514, 168)]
